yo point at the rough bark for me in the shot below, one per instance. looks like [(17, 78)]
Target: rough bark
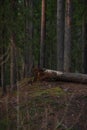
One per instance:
[(68, 40), (60, 34), (43, 34), (28, 58)]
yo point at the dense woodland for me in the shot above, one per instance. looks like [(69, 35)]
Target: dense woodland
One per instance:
[(48, 34), (43, 64)]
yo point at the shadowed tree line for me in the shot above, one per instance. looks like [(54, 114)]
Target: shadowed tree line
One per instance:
[(43, 34)]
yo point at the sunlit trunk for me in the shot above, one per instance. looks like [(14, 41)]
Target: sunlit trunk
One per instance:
[(43, 34)]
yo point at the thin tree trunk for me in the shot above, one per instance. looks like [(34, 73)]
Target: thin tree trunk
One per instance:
[(3, 82), (2, 67), (83, 45), (84, 41), (60, 33), (0, 75), (28, 58), (13, 67), (43, 34), (2, 51), (13, 72), (68, 40)]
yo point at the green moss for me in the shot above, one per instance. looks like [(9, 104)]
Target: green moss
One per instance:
[(56, 91)]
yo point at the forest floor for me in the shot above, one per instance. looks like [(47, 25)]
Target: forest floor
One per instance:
[(45, 106)]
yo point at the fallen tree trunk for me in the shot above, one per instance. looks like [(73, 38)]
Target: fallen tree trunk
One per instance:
[(52, 75)]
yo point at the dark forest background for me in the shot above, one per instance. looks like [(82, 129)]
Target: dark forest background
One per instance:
[(45, 34)]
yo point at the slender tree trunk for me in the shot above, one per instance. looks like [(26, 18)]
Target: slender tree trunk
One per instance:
[(3, 79), (2, 67), (13, 69), (0, 76), (3, 35), (60, 33), (43, 34), (3, 82), (28, 58), (84, 41), (85, 51), (83, 45), (68, 40), (13, 72)]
